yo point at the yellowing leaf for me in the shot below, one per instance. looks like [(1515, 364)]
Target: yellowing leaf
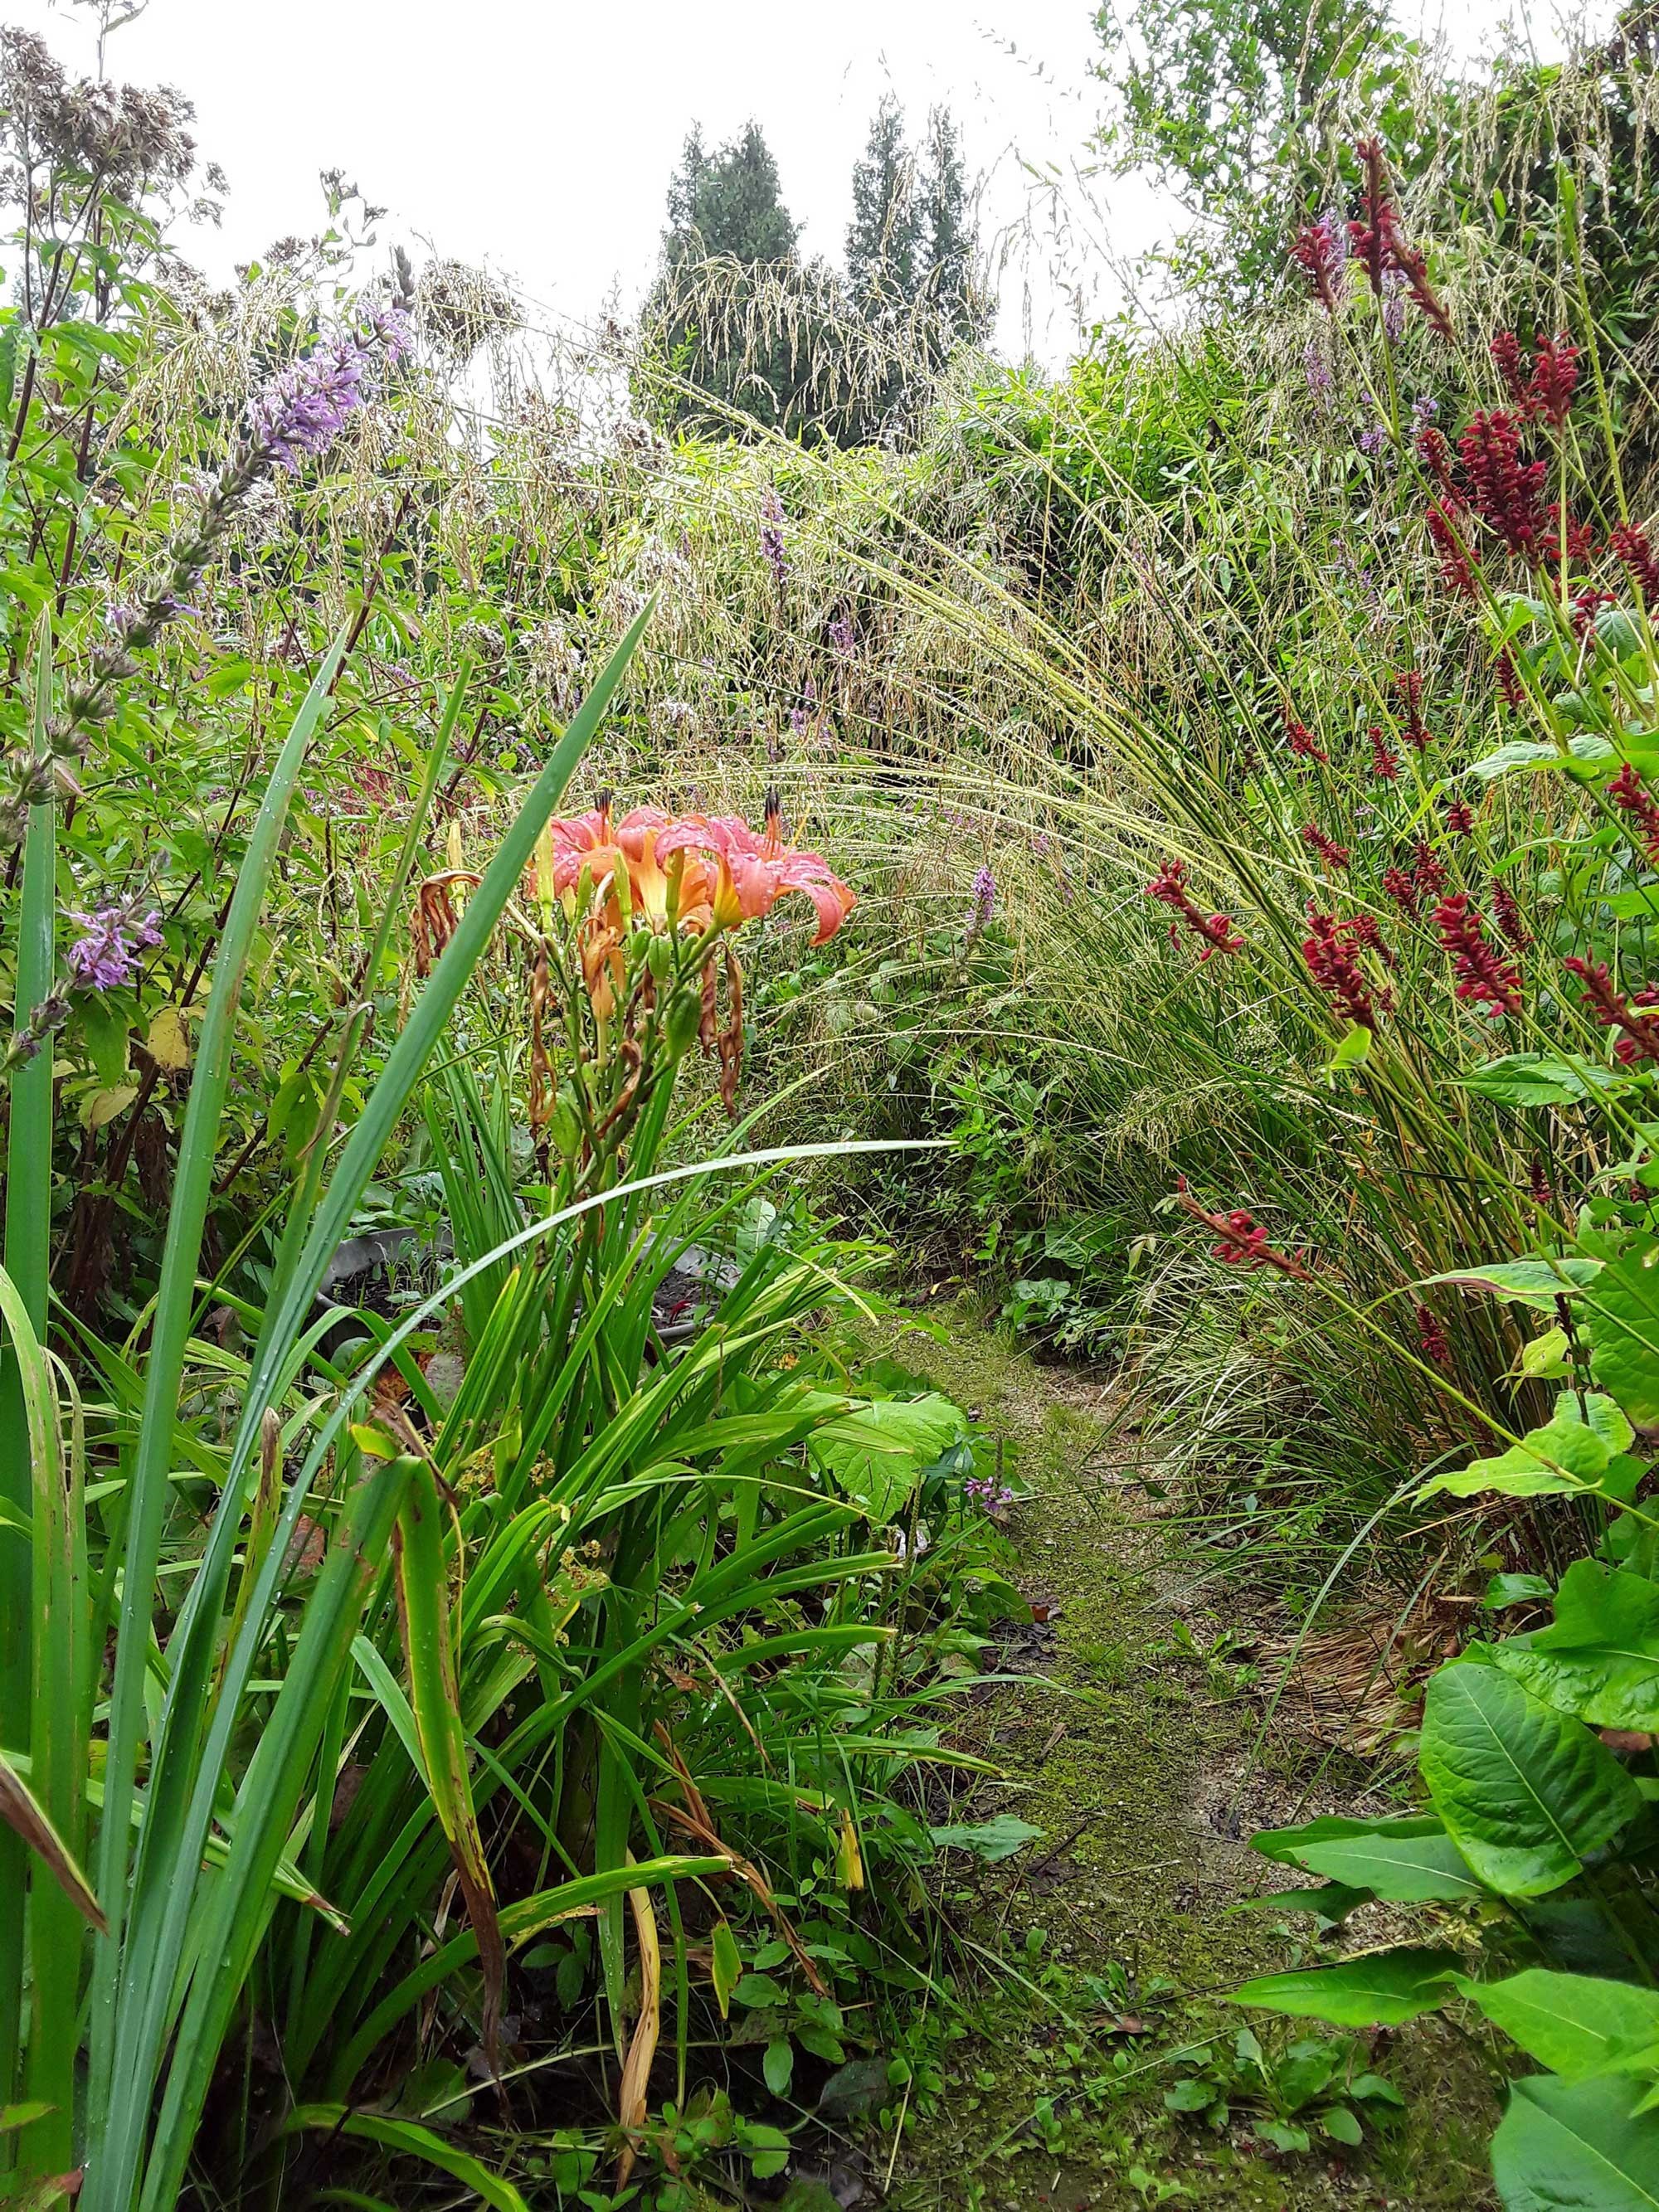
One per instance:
[(104, 1105), (168, 1045)]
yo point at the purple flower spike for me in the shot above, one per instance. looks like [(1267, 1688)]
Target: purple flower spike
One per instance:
[(771, 538), (100, 959), (842, 636), (985, 896), (305, 406)]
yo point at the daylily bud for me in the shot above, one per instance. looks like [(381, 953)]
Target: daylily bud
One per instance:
[(681, 1023), (658, 954), (564, 1128)]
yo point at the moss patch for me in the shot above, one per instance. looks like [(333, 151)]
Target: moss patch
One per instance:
[(1130, 1752)]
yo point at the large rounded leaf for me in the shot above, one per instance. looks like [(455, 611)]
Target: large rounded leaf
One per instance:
[(1408, 1869), (1526, 1794), (1576, 2147), (1575, 2024), (1600, 1659), (1624, 1330), (877, 1452)]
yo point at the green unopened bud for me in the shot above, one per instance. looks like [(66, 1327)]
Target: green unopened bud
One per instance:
[(564, 1128), (680, 1026), (660, 954), (639, 947)]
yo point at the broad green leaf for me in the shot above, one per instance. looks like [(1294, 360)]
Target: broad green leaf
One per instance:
[(876, 1452), (106, 1028), (1332, 1900), (1515, 1589), (998, 1839), (1381, 1990), (1287, 1844), (1405, 1869), (1567, 1454), (779, 2065), (1574, 2023), (1536, 1283), (1599, 1660), (1624, 1330), (1543, 1358), (1529, 1078), (1576, 2147), (1525, 1793)]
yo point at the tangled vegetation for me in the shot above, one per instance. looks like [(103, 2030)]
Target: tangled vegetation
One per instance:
[(538, 930)]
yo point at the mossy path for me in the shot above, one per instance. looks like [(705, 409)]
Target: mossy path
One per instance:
[(1131, 1748)]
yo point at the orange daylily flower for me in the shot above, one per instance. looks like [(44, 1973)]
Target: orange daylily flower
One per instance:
[(755, 871), (728, 873)]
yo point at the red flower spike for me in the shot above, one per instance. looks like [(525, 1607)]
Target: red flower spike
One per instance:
[(1586, 606), (1243, 1241), (1483, 976), (1580, 536), (1427, 872), (1639, 1040), (1301, 740), (1459, 817), (1333, 854), (1431, 1337), (1169, 886), (1509, 680), (1371, 236), (1435, 454), (1401, 889), (1505, 488), (1412, 266), (1332, 955), (1457, 573), (1507, 915), (1385, 763), (1364, 932), (1378, 244), (1632, 547), (1511, 366), (1554, 379), (1540, 1189), (1632, 796), (1321, 250)]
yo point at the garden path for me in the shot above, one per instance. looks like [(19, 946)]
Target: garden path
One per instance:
[(1131, 1748)]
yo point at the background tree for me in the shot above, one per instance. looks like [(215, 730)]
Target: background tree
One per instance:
[(744, 336), (726, 220), (886, 240), (949, 235)]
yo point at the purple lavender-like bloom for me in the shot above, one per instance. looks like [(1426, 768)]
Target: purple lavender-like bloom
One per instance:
[(1424, 408), (771, 538), (1373, 440), (842, 635), (103, 957), (801, 717), (1317, 369), (305, 406), (985, 896), (1395, 284)]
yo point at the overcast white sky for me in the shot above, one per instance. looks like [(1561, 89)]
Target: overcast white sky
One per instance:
[(538, 135)]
